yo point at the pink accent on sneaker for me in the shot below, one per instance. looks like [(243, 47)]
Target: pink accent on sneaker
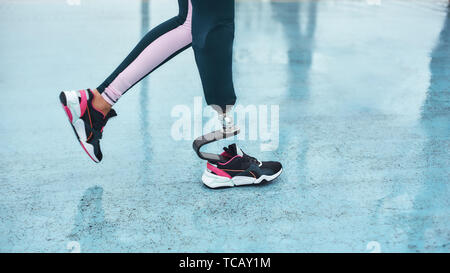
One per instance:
[(225, 154), (83, 103), (69, 114), (152, 56), (229, 160), (217, 170)]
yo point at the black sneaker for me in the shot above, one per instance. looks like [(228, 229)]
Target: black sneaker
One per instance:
[(86, 121), (239, 169)]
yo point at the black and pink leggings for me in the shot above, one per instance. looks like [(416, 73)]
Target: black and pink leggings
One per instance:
[(207, 25)]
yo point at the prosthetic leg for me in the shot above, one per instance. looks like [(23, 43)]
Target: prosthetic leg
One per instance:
[(212, 41), (228, 130)]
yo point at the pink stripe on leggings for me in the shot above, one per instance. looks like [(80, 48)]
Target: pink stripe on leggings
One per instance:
[(152, 56)]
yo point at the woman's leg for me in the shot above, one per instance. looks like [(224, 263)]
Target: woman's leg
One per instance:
[(213, 35), (157, 47)]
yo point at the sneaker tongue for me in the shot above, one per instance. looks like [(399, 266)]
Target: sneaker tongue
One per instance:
[(234, 150)]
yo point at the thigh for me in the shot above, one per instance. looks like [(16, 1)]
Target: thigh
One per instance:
[(208, 15)]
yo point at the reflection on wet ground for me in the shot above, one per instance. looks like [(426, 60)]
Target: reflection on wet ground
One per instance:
[(364, 131)]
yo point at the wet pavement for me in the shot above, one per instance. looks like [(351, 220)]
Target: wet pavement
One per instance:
[(364, 134)]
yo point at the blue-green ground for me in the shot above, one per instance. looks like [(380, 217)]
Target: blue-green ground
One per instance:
[(364, 101)]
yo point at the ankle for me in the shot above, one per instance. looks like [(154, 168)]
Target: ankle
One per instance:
[(100, 104)]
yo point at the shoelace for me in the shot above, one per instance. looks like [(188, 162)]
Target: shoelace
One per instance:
[(251, 159), (246, 157)]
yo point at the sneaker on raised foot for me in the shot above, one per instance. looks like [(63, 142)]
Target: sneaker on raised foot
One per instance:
[(86, 121)]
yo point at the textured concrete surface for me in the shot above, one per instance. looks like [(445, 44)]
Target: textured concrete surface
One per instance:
[(363, 89)]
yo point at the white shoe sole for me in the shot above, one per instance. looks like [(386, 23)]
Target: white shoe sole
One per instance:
[(215, 181), (71, 106)]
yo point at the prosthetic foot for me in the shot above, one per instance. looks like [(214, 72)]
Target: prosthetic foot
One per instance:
[(228, 130), (233, 167)]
